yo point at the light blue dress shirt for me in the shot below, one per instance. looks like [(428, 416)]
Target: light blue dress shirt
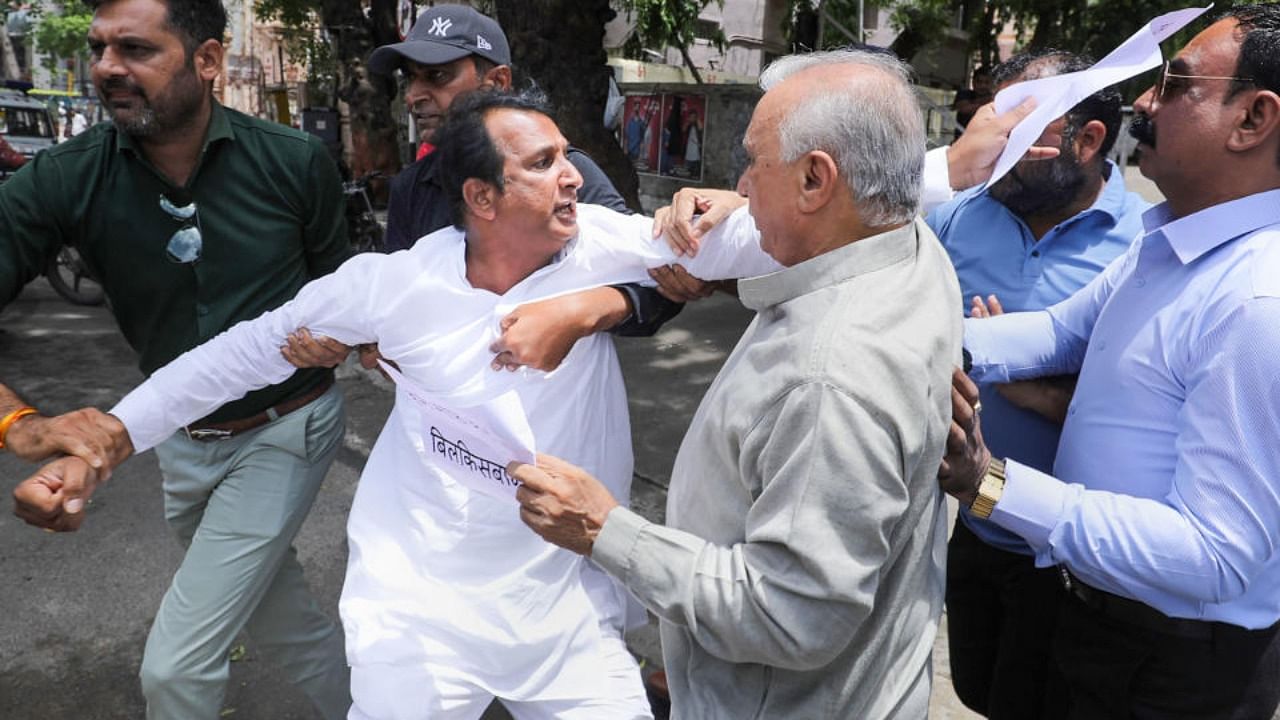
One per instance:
[(1167, 486), (994, 251)]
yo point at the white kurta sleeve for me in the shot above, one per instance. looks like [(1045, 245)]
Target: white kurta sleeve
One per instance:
[(247, 356)]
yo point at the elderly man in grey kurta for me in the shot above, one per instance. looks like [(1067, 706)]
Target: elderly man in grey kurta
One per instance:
[(800, 574)]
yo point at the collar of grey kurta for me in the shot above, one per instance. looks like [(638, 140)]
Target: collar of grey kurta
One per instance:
[(857, 258)]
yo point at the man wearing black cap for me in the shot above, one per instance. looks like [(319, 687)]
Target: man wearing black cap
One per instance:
[(453, 50)]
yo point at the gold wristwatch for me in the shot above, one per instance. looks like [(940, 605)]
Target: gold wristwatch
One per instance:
[(989, 491)]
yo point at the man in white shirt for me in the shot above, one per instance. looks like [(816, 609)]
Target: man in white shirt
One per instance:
[(799, 574), (449, 600)]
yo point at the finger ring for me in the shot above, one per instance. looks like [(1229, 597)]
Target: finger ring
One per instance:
[(977, 407)]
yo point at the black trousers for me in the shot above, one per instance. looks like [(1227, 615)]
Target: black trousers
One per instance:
[(1001, 615), (1116, 669)]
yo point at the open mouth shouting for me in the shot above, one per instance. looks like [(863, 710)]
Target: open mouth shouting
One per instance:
[(567, 211)]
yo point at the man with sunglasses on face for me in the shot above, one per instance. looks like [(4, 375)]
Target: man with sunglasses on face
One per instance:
[(1162, 511), (195, 217)]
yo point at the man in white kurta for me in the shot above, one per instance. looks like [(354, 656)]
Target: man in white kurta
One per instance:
[(449, 599)]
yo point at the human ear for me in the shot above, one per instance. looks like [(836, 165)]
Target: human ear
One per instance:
[(1089, 140), (480, 198), (1258, 124), (821, 180), (498, 77), (208, 59)]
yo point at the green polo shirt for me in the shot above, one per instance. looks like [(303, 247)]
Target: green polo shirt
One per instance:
[(270, 210)]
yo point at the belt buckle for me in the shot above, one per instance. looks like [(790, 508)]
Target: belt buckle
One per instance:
[(206, 434), (1068, 583)]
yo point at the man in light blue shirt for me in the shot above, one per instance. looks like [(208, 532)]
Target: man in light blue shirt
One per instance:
[(1035, 237), (1163, 509)]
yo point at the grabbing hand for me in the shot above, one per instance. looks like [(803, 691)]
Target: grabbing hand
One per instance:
[(305, 350), (90, 434), (678, 222), (972, 158), (541, 334), (55, 497), (967, 456), (561, 502), (677, 285)]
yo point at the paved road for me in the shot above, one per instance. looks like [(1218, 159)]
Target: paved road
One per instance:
[(77, 607)]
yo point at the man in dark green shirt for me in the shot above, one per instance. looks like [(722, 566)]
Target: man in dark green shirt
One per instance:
[(195, 217)]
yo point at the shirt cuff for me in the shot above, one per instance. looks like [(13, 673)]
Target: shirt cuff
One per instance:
[(136, 411), (1031, 505), (637, 311), (617, 540), (936, 189)]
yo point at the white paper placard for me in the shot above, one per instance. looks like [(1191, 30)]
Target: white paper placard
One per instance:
[(473, 444)]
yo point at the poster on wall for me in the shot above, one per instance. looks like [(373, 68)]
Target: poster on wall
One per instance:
[(682, 135), (663, 134), (640, 131)]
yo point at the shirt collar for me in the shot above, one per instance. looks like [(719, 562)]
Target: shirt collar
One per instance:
[(219, 129), (1198, 233), (857, 258), (1111, 200), (427, 173)]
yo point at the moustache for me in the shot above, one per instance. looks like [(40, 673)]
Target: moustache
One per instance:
[(1143, 130), (120, 84)]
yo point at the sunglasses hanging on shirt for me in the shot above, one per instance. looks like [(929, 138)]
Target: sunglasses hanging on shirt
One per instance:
[(186, 243)]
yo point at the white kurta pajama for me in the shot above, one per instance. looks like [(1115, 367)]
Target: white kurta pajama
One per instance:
[(441, 576)]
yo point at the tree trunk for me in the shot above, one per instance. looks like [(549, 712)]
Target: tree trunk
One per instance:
[(374, 133), (8, 59), (909, 42), (560, 45)]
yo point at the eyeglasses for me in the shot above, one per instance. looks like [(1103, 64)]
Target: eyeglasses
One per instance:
[(1163, 85), (185, 244)]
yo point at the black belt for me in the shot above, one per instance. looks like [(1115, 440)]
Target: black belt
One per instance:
[(1132, 612), (206, 432)]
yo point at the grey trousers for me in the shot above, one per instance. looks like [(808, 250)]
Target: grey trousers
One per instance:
[(236, 505)]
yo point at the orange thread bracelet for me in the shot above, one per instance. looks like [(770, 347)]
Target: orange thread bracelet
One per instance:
[(8, 420)]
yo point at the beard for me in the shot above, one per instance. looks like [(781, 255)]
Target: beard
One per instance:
[(171, 109), (1033, 187), (1143, 130)]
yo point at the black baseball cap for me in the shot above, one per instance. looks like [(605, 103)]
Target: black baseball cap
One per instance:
[(441, 35)]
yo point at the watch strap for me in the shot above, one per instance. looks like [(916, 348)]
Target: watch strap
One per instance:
[(989, 490)]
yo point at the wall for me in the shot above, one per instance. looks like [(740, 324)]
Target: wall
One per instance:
[(752, 30), (727, 113)]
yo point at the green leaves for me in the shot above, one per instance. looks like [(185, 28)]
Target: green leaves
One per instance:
[(61, 34), (660, 24)]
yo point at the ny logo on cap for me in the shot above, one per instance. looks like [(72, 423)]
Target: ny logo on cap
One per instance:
[(482, 43), (440, 26)]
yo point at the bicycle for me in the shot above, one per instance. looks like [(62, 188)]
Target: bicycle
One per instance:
[(363, 227)]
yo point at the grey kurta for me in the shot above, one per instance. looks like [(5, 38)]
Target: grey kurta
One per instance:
[(801, 573)]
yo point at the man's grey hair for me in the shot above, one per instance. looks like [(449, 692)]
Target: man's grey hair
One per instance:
[(871, 126)]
